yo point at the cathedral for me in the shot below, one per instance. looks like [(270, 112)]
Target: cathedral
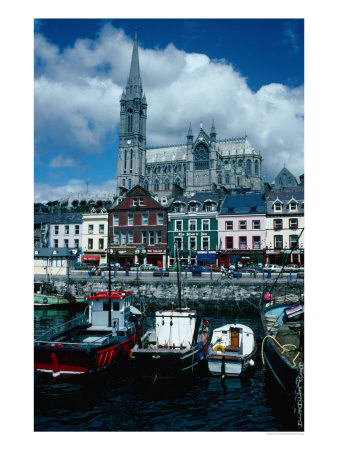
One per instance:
[(203, 161)]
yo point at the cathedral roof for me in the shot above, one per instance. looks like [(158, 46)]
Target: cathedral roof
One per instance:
[(226, 147), (167, 154)]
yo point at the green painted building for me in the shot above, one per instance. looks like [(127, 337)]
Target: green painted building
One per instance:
[(192, 225)]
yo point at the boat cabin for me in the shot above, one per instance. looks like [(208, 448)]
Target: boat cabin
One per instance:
[(233, 338), (107, 312), (175, 328)]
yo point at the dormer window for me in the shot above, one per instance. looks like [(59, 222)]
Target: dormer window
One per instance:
[(277, 205), (208, 206), (293, 206)]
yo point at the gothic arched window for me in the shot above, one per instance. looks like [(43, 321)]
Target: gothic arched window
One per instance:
[(219, 179), (201, 157), (125, 160), (156, 185), (166, 185), (256, 168), (130, 121), (227, 179), (249, 167), (146, 185), (240, 163), (178, 182), (131, 159)]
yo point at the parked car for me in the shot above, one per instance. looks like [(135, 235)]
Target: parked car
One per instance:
[(291, 268), (149, 267), (82, 266), (158, 273), (272, 267), (134, 267), (214, 268), (105, 267)]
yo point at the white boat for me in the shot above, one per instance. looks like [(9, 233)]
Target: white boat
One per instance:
[(231, 350)]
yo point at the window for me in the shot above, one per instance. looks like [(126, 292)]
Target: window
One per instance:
[(134, 202), (256, 224), (144, 237), (116, 238), (129, 184), (242, 224), (130, 237), (256, 242), (90, 229), (166, 185), (156, 185), (178, 225), (229, 225), (56, 243), (256, 168), (192, 225), (101, 228), (229, 242), (219, 179), (278, 206), (249, 167), (278, 224), (131, 160), (205, 224), (227, 179), (140, 201), (56, 229), (125, 161), (293, 206), (178, 242), (123, 238), (208, 206), (116, 220), (192, 207), (130, 219), (278, 241), (66, 243), (77, 229), (158, 237), (101, 244), (293, 223), (237, 181), (145, 219), (76, 243), (66, 229), (294, 241), (90, 244), (201, 158), (205, 242), (123, 182), (151, 237), (192, 243), (130, 121), (242, 242), (159, 218)]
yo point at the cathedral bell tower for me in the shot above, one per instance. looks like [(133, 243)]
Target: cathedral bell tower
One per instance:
[(133, 117)]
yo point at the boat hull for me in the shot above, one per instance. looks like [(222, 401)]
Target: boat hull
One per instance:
[(163, 363), (59, 360), (228, 365)]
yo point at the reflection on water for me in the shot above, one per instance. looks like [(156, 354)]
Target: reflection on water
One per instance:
[(115, 401)]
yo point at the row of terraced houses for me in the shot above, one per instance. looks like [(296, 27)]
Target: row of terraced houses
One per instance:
[(209, 228)]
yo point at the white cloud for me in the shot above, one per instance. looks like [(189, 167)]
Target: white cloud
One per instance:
[(77, 95), (43, 192), (60, 161)]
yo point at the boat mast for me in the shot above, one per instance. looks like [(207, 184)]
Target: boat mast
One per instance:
[(109, 277), (178, 270)]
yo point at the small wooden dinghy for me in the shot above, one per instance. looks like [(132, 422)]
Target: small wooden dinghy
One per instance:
[(231, 350)]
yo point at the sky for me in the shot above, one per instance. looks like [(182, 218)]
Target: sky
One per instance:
[(245, 74)]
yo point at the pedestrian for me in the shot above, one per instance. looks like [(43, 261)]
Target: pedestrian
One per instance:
[(222, 271)]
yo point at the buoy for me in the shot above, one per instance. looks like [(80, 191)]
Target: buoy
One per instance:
[(219, 347), (268, 298), (251, 363)]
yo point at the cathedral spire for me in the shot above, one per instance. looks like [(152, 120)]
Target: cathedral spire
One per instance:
[(213, 132), (134, 84)]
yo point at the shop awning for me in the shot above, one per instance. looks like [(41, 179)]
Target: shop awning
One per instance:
[(206, 257), (90, 258)]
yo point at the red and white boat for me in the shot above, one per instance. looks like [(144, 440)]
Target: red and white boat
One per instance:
[(85, 345)]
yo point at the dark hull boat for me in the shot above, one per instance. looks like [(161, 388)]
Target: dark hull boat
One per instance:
[(283, 351), (86, 345), (174, 348)]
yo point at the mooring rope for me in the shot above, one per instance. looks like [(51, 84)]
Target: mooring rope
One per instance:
[(283, 347)]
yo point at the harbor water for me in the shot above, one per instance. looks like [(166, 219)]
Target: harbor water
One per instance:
[(115, 401)]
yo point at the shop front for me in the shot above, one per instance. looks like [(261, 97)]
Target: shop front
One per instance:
[(244, 257), (205, 258), (92, 260), (281, 257), (123, 255), (156, 257)]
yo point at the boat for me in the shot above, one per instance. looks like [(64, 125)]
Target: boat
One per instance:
[(85, 345), (50, 301), (176, 346), (283, 346), (231, 350)]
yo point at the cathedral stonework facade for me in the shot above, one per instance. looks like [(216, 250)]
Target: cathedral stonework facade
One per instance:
[(202, 161)]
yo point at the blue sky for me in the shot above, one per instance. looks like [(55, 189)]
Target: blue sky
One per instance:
[(246, 74)]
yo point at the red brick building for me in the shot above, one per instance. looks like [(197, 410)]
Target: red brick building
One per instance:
[(138, 229)]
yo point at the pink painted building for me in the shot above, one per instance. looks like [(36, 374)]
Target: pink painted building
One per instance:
[(242, 229)]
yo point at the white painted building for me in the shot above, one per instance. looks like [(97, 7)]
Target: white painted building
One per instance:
[(95, 236)]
